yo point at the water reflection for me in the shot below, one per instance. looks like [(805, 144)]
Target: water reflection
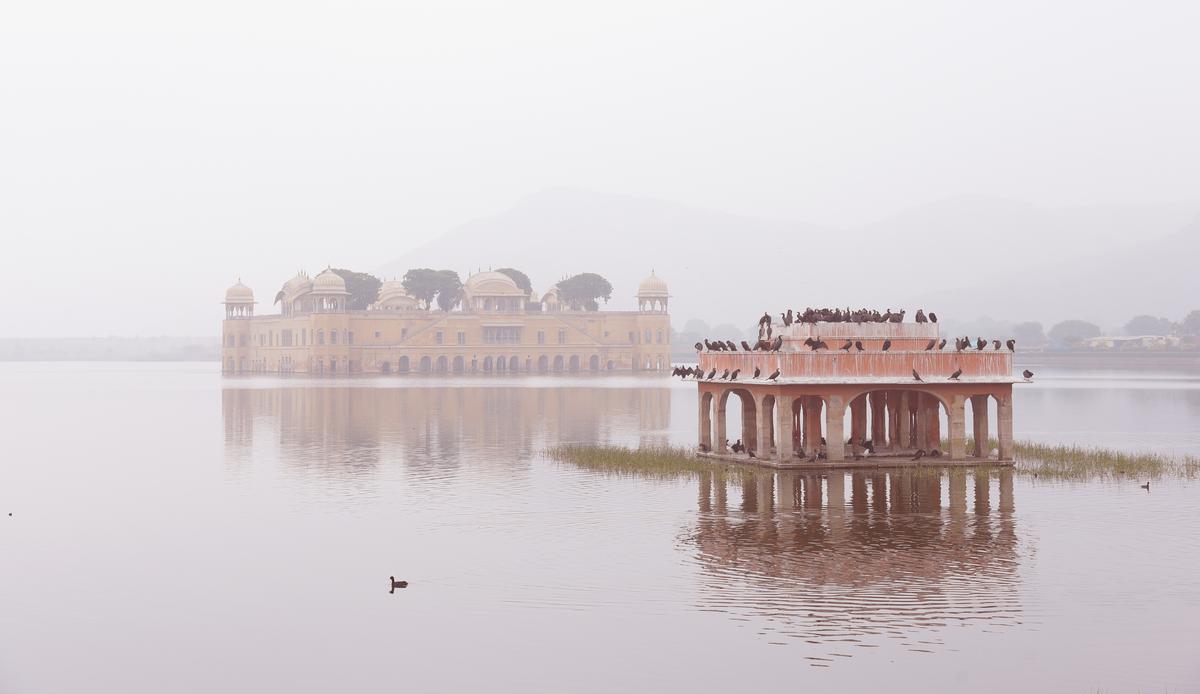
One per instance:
[(349, 430), (904, 556)]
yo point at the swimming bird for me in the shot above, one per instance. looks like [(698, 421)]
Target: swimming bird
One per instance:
[(887, 344), (757, 371), (1146, 486), (847, 346), (398, 584), (954, 376), (1027, 374), (1012, 345), (858, 345), (774, 375), (916, 375), (931, 345)]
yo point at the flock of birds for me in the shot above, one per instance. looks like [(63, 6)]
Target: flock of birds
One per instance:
[(810, 315)]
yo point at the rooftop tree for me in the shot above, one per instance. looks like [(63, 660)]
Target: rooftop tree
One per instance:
[(425, 284), (363, 288), (519, 277), (581, 291)]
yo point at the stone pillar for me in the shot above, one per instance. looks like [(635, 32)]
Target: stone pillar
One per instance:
[(958, 427), (749, 422), (935, 421), (812, 425), (1004, 421), (762, 436), (922, 420), (783, 431), (979, 407), (705, 426), (905, 421), (878, 419), (722, 401), (835, 440), (893, 421), (858, 423)]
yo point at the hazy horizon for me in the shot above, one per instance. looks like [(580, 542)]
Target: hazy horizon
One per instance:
[(154, 155)]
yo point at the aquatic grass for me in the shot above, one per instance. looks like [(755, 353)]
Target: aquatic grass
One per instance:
[(1086, 462), (1054, 461), (663, 462)]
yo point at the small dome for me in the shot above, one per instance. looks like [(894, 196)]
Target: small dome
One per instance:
[(551, 295), (652, 286), (329, 282), (492, 284), (392, 296), (239, 294)]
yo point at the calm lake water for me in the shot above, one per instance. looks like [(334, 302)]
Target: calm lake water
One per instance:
[(176, 531)]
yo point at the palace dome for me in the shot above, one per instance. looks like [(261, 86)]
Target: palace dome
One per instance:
[(492, 284), (329, 282), (652, 286), (393, 296), (239, 294)]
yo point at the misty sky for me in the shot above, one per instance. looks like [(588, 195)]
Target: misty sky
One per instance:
[(150, 153)]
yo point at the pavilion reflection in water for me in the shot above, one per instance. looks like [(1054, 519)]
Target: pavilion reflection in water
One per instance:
[(849, 561), (347, 428)]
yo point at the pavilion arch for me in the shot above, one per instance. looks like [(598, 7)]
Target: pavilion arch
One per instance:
[(573, 364), (749, 420), (558, 362), (459, 364), (514, 364), (442, 364), (402, 365), (385, 367), (611, 365), (426, 365), (487, 364), (594, 363), (543, 364)]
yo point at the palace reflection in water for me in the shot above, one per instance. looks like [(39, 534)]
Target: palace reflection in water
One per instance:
[(346, 429), (849, 560)]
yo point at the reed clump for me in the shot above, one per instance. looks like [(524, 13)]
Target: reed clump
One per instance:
[(1085, 462), (663, 462)]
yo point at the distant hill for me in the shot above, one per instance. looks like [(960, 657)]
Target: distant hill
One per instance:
[(962, 254)]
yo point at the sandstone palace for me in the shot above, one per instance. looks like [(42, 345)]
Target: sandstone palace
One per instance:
[(495, 326)]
